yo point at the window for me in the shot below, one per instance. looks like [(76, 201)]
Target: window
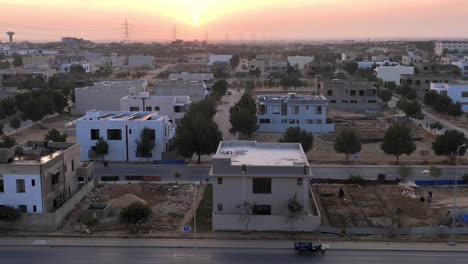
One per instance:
[(352, 92), (264, 121), (464, 94), (134, 108), (23, 208), (319, 110), (284, 121), (276, 109), (73, 165), (220, 180), (261, 209), (372, 101), (153, 134), (332, 101), (177, 109), (309, 121), (261, 185), (94, 134), (220, 207), (55, 178), (114, 134), (295, 110), (318, 121), (344, 101), (148, 108), (33, 183), (2, 187), (34, 208), (81, 179), (329, 92), (361, 92), (156, 108), (20, 186), (299, 181)]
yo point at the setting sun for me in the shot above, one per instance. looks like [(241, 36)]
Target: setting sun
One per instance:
[(195, 19)]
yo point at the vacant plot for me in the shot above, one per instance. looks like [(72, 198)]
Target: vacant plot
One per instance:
[(38, 131), (171, 206), (385, 206)]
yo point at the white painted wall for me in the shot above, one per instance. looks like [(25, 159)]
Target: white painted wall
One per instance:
[(32, 196), (301, 61), (392, 73)]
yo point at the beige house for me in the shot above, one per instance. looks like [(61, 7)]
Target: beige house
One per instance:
[(252, 183)]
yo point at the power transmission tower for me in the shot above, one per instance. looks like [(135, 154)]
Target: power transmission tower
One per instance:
[(126, 30), (174, 33), (226, 37)]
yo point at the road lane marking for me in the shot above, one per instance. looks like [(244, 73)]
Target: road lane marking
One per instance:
[(39, 242)]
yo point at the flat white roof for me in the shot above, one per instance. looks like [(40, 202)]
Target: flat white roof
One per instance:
[(262, 154)]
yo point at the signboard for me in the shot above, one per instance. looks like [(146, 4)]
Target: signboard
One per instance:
[(355, 156), (186, 229)]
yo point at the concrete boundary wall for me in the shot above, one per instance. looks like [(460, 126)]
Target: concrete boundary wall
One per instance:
[(49, 221), (425, 230)]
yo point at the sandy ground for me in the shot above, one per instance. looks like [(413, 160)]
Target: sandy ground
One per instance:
[(376, 206), (171, 205), (38, 131)]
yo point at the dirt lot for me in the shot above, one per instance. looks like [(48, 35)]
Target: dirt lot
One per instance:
[(372, 131), (171, 205), (37, 131), (376, 206)]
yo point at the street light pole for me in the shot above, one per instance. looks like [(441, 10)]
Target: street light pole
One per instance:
[(195, 218), (452, 242)]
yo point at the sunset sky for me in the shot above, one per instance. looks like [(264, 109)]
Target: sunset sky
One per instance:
[(100, 20)]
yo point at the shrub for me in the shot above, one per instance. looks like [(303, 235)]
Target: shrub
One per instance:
[(136, 212), (465, 178), (356, 179), (8, 213)]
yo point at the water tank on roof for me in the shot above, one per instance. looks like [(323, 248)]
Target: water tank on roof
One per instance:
[(144, 95)]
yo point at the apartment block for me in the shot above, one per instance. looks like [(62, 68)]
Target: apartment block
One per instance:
[(440, 46), (174, 107), (121, 130), (393, 73), (278, 113), (457, 91), (106, 95), (252, 183), (349, 94)]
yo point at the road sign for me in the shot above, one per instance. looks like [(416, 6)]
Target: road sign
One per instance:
[(355, 156), (186, 229)]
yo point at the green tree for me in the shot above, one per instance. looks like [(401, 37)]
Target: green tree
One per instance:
[(385, 95), (298, 135), (351, 67), (197, 134), (455, 109), (146, 143), (405, 172), (295, 210), (219, 89), (347, 142), (9, 106), (14, 122), (101, 148), (17, 60), (435, 172), (398, 140), (206, 107), (234, 61), (34, 110), (8, 213), (242, 122), (136, 212), (8, 142), (55, 136), (412, 109), (447, 144), (77, 68)]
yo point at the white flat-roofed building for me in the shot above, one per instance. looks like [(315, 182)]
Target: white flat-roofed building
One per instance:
[(278, 113), (174, 107), (135, 61), (393, 73), (197, 90), (207, 78), (121, 130), (300, 61), (457, 91), (40, 176), (463, 66), (449, 45), (197, 58), (214, 57), (252, 183), (105, 95)]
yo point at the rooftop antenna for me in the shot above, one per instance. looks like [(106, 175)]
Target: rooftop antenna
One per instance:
[(126, 28)]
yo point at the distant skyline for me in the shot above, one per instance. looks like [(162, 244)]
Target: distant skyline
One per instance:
[(235, 20)]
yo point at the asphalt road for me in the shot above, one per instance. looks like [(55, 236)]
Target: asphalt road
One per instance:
[(61, 255), (222, 116)]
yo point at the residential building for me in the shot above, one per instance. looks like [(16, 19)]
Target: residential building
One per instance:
[(422, 82), (320, 68), (252, 183), (278, 113), (258, 64), (135, 61), (300, 61), (121, 131), (392, 73), (197, 90), (197, 58), (449, 58), (68, 59), (221, 66), (66, 67), (213, 57), (449, 45), (23, 74), (105, 95), (351, 56), (463, 66), (76, 43), (380, 57), (349, 94), (6, 92), (370, 64), (411, 58), (457, 91), (39, 176), (174, 107), (43, 61)]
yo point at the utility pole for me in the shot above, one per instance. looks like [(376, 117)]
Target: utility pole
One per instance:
[(206, 37), (126, 29), (242, 37), (226, 37)]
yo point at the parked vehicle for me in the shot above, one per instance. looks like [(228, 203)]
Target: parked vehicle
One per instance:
[(308, 247)]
